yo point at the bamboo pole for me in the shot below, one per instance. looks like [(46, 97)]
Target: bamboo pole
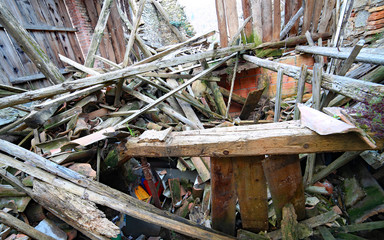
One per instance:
[(29, 45)]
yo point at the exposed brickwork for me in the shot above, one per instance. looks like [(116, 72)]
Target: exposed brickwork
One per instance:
[(252, 79), (81, 21), (366, 21)]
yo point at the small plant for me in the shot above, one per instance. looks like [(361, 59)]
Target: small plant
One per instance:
[(131, 131), (371, 116)]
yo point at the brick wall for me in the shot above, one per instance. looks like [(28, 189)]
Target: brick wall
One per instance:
[(253, 79), (366, 21), (80, 20)]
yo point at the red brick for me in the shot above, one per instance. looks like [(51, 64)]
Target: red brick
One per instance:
[(376, 16)]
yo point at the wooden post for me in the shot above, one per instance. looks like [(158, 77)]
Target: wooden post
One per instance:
[(283, 174), (296, 5), (98, 33), (223, 195), (221, 22), (316, 15), (251, 191), (29, 45)]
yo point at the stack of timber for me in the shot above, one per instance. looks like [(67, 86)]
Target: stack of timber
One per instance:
[(152, 138)]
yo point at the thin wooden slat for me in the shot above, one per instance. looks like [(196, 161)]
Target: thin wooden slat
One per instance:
[(300, 90), (251, 189), (316, 85), (283, 174), (222, 23), (223, 195), (279, 89)]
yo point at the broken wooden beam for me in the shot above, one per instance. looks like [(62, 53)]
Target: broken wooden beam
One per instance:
[(273, 138), (355, 89), (342, 53), (29, 45), (293, 41), (21, 226), (253, 99)]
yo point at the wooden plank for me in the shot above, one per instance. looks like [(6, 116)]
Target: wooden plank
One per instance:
[(351, 59), (222, 22), (251, 189), (326, 15), (267, 26), (31, 47), (71, 37), (115, 26), (33, 77), (308, 14), (253, 99), (316, 15), (283, 174), (232, 17), (341, 53), (273, 138), (106, 196), (47, 28), (276, 20), (291, 23), (223, 193)]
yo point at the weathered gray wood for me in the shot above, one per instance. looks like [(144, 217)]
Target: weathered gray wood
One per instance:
[(293, 41), (144, 48), (133, 32), (47, 28), (343, 54), (326, 15), (316, 85), (237, 34), (355, 89), (118, 201), (351, 59), (279, 88), (164, 14), (171, 93), (273, 138), (33, 77), (21, 226), (98, 33), (232, 83), (300, 90), (29, 45), (291, 23), (113, 75)]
